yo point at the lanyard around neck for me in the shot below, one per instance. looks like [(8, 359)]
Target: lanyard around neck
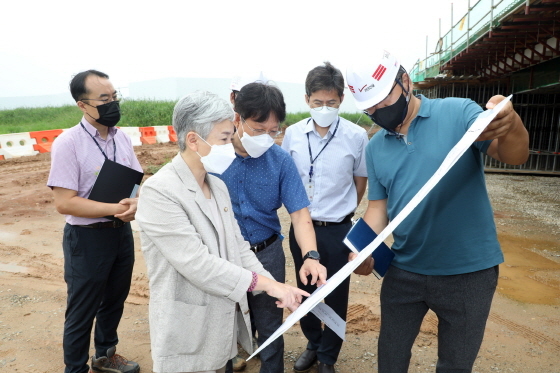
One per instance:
[(96, 143), (311, 159)]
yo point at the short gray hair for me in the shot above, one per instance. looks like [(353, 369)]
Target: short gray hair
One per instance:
[(198, 112)]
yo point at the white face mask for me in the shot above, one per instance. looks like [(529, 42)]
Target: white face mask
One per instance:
[(219, 158), (324, 117), (256, 146)]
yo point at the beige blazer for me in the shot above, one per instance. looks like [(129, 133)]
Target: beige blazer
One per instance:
[(193, 291)]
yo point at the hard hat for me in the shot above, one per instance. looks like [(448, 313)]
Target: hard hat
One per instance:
[(371, 82), (240, 81)]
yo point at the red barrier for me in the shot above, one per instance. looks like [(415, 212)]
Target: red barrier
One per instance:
[(172, 134), (1, 158), (44, 139), (147, 135)]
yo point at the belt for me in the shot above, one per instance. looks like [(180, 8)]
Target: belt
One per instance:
[(104, 224), (263, 245), (347, 219)]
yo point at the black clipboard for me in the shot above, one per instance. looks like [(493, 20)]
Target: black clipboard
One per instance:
[(114, 183)]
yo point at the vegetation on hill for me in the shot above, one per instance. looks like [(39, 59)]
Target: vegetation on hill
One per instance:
[(134, 114)]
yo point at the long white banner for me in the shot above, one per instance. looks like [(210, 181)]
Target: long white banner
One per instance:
[(452, 157)]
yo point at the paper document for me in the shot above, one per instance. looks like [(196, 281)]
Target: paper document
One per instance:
[(452, 157), (331, 319)]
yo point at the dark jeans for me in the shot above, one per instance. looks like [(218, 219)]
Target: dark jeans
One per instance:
[(98, 270), (267, 317), (334, 255), (461, 303)]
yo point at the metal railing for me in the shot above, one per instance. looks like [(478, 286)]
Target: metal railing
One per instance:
[(480, 19)]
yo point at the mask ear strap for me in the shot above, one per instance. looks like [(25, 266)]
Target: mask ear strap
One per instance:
[(204, 140), (91, 116), (403, 88), (407, 103)]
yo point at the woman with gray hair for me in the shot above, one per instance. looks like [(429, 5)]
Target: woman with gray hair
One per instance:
[(199, 266)]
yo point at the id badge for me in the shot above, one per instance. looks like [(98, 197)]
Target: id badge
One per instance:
[(310, 189)]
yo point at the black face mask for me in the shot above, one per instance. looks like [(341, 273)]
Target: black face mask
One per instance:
[(109, 114), (390, 117)]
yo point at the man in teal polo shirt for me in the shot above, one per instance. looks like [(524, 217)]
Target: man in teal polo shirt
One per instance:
[(446, 250)]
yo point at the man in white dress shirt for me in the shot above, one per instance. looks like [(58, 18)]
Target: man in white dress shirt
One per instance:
[(329, 154)]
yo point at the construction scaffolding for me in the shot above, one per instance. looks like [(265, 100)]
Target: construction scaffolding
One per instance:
[(503, 47), (540, 113)]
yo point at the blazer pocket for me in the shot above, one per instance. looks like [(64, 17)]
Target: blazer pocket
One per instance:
[(180, 328)]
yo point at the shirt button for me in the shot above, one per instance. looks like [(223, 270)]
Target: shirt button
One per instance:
[(409, 143), (225, 209), (240, 181)]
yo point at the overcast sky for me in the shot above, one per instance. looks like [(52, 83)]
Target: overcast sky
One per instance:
[(43, 43)]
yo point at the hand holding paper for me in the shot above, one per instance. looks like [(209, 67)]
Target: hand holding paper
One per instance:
[(502, 123)]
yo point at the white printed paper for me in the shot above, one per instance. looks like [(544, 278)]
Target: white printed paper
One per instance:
[(452, 157), (331, 319)]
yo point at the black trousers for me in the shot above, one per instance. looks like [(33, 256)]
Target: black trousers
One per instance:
[(98, 270), (334, 255), (461, 303)]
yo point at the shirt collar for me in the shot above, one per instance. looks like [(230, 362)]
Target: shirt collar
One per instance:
[(425, 110), (95, 133), (310, 126)]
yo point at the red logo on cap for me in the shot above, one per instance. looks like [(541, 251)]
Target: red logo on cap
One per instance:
[(351, 88), (378, 74), (361, 89)]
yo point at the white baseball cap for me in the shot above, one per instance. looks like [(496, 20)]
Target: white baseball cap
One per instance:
[(240, 81), (371, 82)]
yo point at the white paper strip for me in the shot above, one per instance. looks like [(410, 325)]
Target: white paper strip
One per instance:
[(452, 157), (331, 319)]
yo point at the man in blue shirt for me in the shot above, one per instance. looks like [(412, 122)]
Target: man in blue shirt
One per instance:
[(262, 178), (446, 250)]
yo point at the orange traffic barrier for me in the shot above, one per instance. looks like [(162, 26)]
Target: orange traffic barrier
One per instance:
[(172, 134), (1, 158), (44, 139), (147, 135)]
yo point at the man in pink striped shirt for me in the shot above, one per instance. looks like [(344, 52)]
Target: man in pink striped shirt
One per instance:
[(98, 252)]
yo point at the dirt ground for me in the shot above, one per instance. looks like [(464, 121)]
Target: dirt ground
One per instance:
[(522, 335)]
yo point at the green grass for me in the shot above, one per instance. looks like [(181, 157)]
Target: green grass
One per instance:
[(38, 119), (134, 114), (292, 118)]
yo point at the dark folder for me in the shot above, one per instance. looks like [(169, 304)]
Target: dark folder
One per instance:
[(114, 183), (361, 235)]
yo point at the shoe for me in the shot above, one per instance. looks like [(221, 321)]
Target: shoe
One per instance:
[(325, 368), (113, 363), (239, 363), (305, 361)]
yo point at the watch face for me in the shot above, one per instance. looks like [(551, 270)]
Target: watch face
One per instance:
[(313, 255)]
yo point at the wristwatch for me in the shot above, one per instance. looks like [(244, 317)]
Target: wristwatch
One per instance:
[(312, 255)]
